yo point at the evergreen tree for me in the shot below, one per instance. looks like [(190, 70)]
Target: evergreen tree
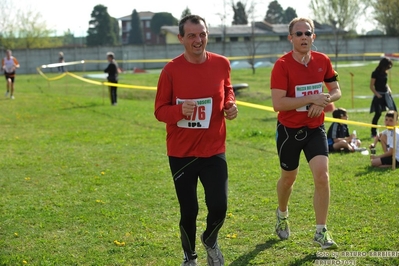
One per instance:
[(101, 28), (185, 12), (162, 19), (289, 14), (240, 16), (136, 32), (116, 30), (275, 13)]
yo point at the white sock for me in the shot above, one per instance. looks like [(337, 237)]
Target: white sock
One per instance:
[(320, 227), (282, 214)]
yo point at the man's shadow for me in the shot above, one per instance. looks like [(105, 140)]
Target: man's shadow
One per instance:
[(246, 259)]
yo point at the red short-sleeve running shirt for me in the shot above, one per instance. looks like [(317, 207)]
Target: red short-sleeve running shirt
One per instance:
[(300, 80)]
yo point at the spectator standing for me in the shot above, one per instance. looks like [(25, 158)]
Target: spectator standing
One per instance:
[(112, 70), (61, 61), (382, 92)]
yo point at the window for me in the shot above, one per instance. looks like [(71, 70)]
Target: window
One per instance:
[(247, 38), (148, 36), (218, 39), (234, 39), (148, 24)]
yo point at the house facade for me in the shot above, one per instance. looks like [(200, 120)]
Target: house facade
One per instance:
[(260, 31), (149, 38)]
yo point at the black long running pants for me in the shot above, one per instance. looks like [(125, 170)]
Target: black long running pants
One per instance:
[(212, 172)]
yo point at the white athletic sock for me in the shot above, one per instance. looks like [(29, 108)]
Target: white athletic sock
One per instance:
[(320, 227), (282, 214)]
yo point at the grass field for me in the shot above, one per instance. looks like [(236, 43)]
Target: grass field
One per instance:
[(86, 183)]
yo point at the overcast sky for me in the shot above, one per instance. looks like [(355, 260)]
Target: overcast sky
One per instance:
[(75, 14)]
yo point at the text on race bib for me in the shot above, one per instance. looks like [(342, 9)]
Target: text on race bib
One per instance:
[(201, 116), (305, 90)]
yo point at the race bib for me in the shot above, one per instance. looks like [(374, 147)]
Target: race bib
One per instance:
[(201, 116), (308, 89)]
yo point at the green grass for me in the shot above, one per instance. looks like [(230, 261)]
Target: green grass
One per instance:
[(78, 174)]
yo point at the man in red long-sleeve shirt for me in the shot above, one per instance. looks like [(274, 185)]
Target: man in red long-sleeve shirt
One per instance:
[(194, 97)]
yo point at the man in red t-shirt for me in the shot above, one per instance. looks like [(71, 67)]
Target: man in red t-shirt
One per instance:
[(194, 97), (298, 95)]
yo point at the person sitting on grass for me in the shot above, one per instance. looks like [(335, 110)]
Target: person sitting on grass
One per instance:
[(385, 159), (382, 137), (338, 136)]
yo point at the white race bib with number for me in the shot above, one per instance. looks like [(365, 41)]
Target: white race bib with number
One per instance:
[(308, 89), (201, 116)]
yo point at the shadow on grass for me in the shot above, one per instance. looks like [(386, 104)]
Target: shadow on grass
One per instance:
[(308, 258), (79, 106), (247, 258), (369, 168)]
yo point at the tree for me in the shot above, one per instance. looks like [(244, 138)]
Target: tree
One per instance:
[(136, 32), (101, 28), (185, 12), (115, 29), (386, 12), (240, 16), (289, 14), (24, 29), (251, 44), (32, 30), (68, 38), (341, 15), (162, 19), (275, 13)]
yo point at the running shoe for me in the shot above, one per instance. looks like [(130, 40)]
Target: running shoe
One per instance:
[(190, 262), (282, 227), (215, 256), (325, 240)]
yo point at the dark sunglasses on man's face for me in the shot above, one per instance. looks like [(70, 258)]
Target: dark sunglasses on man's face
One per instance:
[(300, 33)]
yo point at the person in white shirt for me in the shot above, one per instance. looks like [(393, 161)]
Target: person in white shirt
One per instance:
[(385, 159), (9, 64)]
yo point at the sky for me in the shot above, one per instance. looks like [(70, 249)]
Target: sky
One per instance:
[(75, 14)]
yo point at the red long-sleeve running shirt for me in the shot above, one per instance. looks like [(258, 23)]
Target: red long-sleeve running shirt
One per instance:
[(209, 85)]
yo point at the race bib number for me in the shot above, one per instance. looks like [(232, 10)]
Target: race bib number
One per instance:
[(309, 89), (201, 116)]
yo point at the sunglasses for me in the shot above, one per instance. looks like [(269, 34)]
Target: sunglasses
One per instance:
[(300, 33)]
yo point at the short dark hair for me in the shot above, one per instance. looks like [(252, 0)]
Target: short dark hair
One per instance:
[(111, 54), (339, 112), (391, 114), (193, 19)]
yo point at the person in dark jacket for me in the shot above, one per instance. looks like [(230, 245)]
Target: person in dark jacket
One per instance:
[(382, 92), (112, 70)]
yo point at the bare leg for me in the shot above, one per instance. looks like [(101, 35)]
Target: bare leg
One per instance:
[(321, 199), (284, 188)]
